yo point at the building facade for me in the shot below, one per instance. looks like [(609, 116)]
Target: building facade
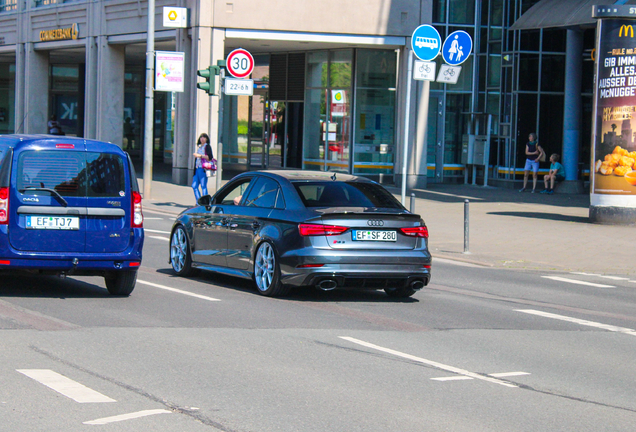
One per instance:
[(330, 83)]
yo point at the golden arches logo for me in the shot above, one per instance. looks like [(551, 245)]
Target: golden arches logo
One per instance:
[(628, 30)]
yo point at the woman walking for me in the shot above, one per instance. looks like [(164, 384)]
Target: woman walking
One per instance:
[(203, 152)]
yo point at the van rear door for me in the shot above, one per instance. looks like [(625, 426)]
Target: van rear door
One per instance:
[(109, 200), (48, 202)]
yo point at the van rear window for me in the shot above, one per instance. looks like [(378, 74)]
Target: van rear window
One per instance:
[(71, 173)]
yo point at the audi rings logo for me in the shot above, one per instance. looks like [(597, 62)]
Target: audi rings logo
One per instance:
[(375, 222)]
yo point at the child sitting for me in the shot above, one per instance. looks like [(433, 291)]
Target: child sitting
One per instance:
[(556, 174)]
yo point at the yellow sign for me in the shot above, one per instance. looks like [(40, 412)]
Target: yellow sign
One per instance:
[(628, 30), (172, 15), (60, 33)]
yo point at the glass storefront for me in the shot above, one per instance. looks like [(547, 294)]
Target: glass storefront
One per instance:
[(374, 132), (331, 140), (7, 98), (65, 96)]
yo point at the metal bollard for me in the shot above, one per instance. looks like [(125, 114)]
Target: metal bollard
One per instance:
[(413, 203), (466, 227)]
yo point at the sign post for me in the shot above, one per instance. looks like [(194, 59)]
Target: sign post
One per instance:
[(425, 44)]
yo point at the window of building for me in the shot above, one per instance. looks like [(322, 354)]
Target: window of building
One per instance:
[(7, 98), (374, 130), (64, 97)]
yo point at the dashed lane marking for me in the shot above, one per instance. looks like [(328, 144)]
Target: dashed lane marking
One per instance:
[(602, 326), (578, 282), (122, 417), (495, 375), (163, 287), (160, 238), (618, 278), (152, 218), (430, 362), (156, 231), (65, 386)]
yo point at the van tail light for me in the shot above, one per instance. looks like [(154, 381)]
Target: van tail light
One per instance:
[(418, 231), (137, 216), (4, 205), (318, 229)]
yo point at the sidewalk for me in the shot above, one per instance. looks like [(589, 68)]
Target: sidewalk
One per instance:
[(507, 229)]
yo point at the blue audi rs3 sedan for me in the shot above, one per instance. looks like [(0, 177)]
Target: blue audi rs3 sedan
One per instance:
[(70, 206), (285, 229)]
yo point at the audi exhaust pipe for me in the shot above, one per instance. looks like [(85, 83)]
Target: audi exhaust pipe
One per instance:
[(327, 285), (417, 285)]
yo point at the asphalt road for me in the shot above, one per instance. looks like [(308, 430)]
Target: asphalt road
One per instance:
[(480, 349)]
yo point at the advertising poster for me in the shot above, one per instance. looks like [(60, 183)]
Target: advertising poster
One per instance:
[(169, 68), (614, 150)]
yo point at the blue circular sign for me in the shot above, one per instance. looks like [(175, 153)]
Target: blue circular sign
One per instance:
[(426, 42), (457, 47)]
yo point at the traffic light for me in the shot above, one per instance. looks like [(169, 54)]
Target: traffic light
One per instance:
[(209, 74)]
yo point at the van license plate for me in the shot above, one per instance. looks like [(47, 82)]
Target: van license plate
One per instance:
[(388, 236), (52, 222)]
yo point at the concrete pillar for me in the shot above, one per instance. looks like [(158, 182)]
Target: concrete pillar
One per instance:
[(110, 89), (20, 83), (36, 90), (401, 113), (90, 93), (417, 177), (572, 110)]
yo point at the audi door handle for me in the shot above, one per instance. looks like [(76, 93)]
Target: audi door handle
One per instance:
[(233, 226)]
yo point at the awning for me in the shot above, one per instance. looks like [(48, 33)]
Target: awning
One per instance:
[(561, 13)]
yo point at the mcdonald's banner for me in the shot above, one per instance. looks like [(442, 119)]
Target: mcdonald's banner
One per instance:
[(614, 146)]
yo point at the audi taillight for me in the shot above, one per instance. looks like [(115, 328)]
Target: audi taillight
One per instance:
[(418, 231), (318, 229), (137, 216), (4, 206)]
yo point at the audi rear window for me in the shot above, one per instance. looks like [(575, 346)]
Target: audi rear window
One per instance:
[(71, 173), (345, 194)]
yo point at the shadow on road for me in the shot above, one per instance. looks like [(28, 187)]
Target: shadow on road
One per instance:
[(27, 285), (547, 216)]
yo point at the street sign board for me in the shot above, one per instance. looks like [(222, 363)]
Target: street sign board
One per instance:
[(426, 42), (239, 87), (424, 71), (175, 17), (457, 47), (240, 63), (169, 71), (448, 74)]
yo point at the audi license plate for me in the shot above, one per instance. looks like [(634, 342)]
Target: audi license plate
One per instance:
[(52, 222), (387, 236)]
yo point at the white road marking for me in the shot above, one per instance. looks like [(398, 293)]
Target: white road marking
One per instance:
[(160, 238), (117, 418), (496, 375), (156, 231), (65, 386), (163, 287), (458, 263), (601, 276), (508, 374), (152, 218), (578, 282), (580, 321), (453, 378), (429, 362)]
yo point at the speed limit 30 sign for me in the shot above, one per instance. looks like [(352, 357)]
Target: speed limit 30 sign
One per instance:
[(240, 63)]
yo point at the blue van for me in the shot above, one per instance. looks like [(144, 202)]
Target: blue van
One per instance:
[(70, 206)]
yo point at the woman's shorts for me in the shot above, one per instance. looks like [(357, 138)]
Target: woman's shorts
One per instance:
[(531, 165)]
